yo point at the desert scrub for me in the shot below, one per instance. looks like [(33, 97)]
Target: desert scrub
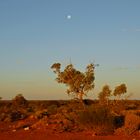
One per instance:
[(19, 101), (94, 115), (131, 124), (52, 109), (41, 113), (98, 118)]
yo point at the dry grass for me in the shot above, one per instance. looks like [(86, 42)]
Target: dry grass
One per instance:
[(131, 124)]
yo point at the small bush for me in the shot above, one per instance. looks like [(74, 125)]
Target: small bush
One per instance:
[(52, 109), (41, 114), (2, 116), (131, 125), (131, 107), (17, 115), (19, 101), (119, 121), (13, 116), (95, 116)]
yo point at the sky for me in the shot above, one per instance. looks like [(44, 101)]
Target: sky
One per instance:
[(34, 34)]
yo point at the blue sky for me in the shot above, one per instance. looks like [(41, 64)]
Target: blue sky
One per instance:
[(36, 33)]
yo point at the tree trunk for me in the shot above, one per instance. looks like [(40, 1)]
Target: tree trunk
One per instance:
[(81, 98)]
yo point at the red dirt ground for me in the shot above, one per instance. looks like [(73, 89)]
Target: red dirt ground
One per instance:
[(7, 133), (40, 135)]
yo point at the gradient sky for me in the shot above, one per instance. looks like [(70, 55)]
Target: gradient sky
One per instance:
[(34, 34)]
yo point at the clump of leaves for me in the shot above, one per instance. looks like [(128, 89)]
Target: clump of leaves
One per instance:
[(104, 94), (19, 101), (119, 90)]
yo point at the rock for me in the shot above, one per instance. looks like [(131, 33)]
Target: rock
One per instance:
[(26, 128)]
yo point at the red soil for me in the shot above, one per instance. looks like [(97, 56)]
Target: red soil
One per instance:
[(41, 135), (7, 133)]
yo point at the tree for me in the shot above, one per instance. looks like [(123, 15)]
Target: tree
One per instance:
[(119, 90), (79, 83), (19, 100), (104, 94)]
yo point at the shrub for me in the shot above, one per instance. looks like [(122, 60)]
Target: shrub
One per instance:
[(41, 114), (97, 117), (131, 107), (52, 109), (94, 115), (2, 116), (13, 116), (17, 115), (19, 100), (119, 121), (131, 124)]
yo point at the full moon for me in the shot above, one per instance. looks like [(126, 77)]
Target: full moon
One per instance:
[(68, 16)]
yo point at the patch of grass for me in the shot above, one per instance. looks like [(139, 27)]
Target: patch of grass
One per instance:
[(97, 117)]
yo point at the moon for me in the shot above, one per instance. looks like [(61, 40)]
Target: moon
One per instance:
[(68, 16)]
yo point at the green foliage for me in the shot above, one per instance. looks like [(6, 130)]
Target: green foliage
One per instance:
[(104, 94), (78, 83), (119, 90)]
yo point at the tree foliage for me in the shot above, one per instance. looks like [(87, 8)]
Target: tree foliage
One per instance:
[(78, 83), (119, 90), (19, 100), (104, 94)]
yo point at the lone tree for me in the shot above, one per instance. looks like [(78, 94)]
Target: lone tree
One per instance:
[(19, 101), (79, 83), (119, 90), (104, 94)]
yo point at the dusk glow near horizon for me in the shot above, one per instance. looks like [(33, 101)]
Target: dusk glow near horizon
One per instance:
[(34, 34)]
